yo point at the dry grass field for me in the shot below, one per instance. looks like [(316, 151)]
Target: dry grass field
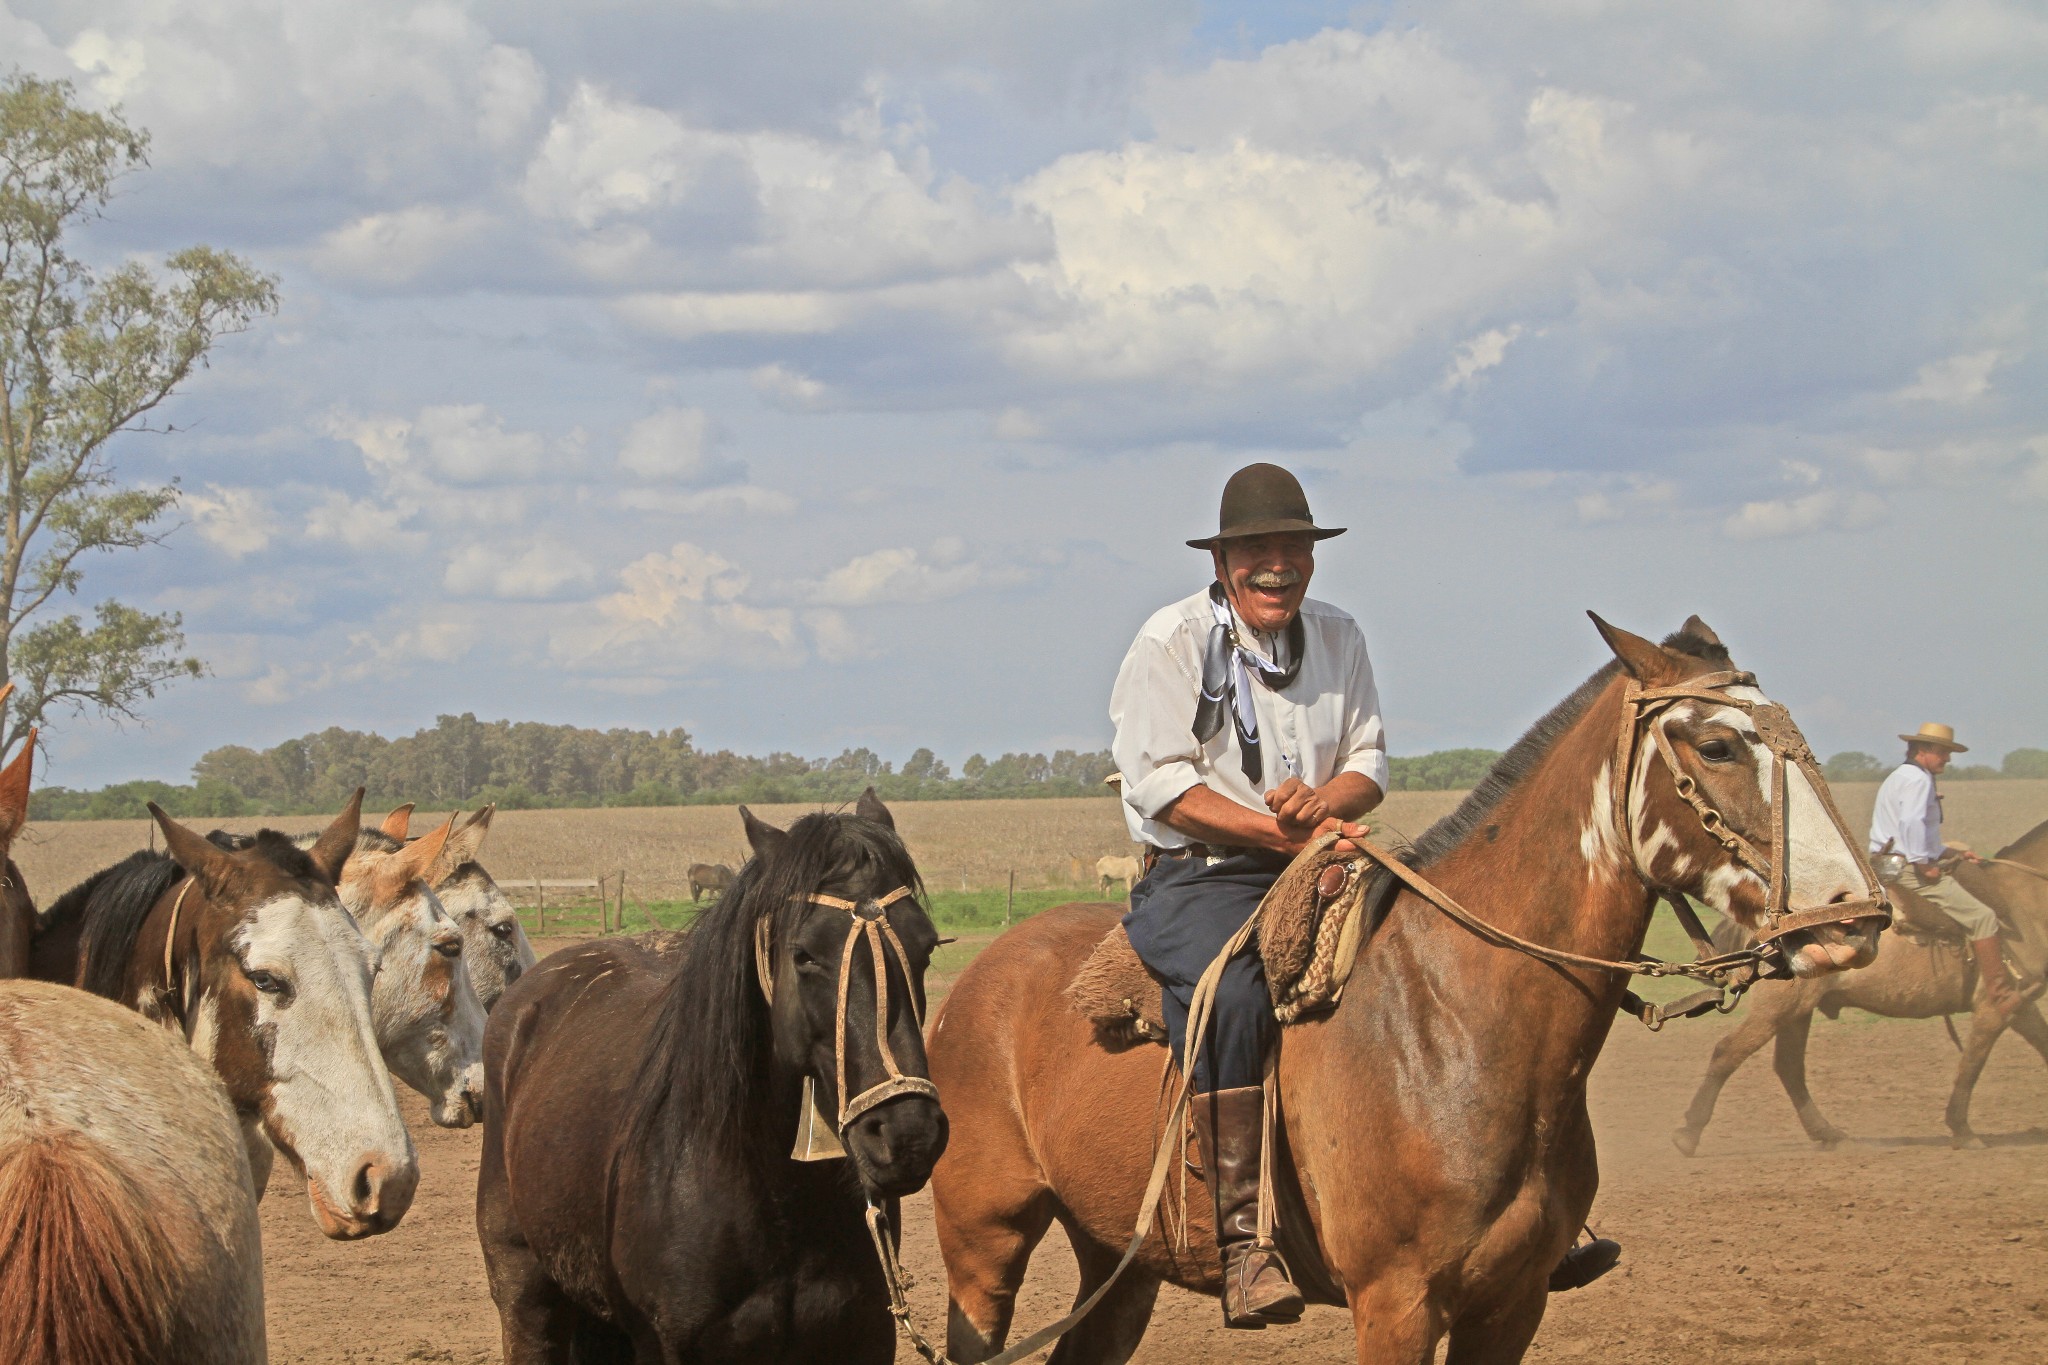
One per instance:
[(958, 844)]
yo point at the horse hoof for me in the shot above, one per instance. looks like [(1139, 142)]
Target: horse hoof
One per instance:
[(1686, 1140), (1966, 1142), (1831, 1140)]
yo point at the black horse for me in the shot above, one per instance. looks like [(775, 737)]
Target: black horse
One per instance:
[(638, 1200)]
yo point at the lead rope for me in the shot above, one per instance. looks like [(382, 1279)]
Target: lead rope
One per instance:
[(171, 940)]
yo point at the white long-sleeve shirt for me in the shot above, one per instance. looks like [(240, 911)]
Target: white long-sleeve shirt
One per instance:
[(1909, 814), (1327, 722)]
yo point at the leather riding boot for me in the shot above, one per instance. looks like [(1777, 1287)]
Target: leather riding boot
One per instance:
[(1997, 982), (1230, 1125)]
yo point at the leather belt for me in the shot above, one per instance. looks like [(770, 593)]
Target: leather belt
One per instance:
[(1212, 853)]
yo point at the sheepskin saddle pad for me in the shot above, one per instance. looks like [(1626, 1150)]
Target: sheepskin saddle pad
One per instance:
[(1311, 924)]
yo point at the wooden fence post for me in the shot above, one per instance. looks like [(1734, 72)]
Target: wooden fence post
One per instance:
[(541, 895), (1010, 906)]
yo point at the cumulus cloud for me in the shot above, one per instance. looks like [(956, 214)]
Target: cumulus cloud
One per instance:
[(904, 574), (238, 522), (677, 446), (399, 246), (540, 570), (1823, 510), (1958, 379), (676, 612)]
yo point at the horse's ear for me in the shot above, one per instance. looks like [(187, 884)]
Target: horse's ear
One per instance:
[(418, 857), (191, 850), (465, 843), (14, 781), (399, 821), (762, 837), (1701, 631), (1644, 660), (330, 852), (870, 807)]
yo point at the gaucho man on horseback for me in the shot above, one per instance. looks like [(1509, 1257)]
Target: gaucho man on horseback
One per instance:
[(1247, 722)]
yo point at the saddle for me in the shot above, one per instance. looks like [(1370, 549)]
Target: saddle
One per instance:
[(1312, 922), (1923, 922)]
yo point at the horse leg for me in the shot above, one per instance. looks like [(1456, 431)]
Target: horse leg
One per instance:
[(1735, 1047), (536, 1321), (1986, 1024), (986, 1236), (1110, 1334), (1395, 1323), (1502, 1336), (1791, 1064)]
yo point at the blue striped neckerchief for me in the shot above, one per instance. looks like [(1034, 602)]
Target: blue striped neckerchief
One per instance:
[(1227, 666)]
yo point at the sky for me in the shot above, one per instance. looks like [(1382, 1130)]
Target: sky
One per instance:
[(814, 375)]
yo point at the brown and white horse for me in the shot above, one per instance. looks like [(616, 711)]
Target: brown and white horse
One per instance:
[(250, 954), (128, 1228), (1433, 1126), (496, 951)]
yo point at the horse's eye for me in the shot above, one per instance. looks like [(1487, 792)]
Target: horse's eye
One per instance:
[(503, 928), (451, 947), (803, 959), (268, 982), (1717, 751)]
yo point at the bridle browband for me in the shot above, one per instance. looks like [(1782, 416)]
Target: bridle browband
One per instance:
[(1647, 712), (871, 926)]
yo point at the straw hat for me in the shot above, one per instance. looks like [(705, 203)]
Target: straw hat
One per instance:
[(1938, 735), (1262, 500)]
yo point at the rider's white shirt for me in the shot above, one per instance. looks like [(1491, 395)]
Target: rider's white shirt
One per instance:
[(1908, 814), (1327, 722)]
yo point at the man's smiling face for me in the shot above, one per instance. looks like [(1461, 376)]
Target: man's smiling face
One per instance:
[(1267, 576)]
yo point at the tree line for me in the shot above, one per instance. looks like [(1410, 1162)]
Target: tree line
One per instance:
[(463, 761)]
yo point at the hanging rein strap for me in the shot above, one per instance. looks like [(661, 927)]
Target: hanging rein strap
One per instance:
[(870, 926), (171, 940)]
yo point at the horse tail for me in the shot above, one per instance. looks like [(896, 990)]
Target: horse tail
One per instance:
[(86, 1269)]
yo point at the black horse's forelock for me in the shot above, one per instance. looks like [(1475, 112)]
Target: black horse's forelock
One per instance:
[(1526, 753), (703, 1080)]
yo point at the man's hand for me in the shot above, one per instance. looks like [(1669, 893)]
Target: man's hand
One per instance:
[(1349, 829), (1929, 872), (1298, 809)]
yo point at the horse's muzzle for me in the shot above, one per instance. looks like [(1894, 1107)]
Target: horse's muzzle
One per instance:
[(1827, 948), (895, 1145)]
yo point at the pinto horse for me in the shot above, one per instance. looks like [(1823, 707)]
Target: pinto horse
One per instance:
[(250, 955), (637, 1198), (1433, 1141)]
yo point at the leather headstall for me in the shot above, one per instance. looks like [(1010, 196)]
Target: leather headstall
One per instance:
[(870, 926)]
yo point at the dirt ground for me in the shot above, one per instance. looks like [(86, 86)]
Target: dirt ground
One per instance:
[(1894, 1248)]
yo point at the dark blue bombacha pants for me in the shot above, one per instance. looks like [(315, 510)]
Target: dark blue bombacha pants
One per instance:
[(1181, 915)]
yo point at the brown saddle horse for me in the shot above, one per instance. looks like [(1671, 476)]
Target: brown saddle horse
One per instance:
[(1435, 1121)]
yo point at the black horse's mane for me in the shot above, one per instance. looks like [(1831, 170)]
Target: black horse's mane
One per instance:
[(112, 903), (1527, 753), (703, 1081)]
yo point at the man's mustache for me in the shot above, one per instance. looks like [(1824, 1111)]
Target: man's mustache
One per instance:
[(1273, 580)]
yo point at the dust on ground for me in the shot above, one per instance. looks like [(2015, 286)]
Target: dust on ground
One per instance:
[(1894, 1248)]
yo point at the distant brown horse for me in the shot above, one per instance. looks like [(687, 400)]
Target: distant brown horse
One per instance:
[(128, 1229), (1436, 1119), (637, 1200), (1913, 978), (704, 877)]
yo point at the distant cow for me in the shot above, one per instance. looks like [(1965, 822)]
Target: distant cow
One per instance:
[(1110, 871), (708, 877)]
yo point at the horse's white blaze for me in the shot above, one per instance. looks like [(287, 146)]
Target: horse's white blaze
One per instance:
[(1597, 839), (331, 1097), (429, 1023), (1823, 866)]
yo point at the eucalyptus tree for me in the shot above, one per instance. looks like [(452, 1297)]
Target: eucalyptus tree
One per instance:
[(86, 356)]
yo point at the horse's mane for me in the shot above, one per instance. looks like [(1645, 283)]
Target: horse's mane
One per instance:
[(1527, 753), (111, 905), (704, 1077), (2022, 848)]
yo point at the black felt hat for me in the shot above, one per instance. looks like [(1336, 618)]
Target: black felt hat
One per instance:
[(1264, 500)]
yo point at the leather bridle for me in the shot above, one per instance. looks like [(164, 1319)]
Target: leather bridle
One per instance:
[(1647, 715), (870, 926)]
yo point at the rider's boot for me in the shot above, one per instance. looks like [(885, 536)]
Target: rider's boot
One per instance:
[(1997, 982), (1585, 1263), (1230, 1125)]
